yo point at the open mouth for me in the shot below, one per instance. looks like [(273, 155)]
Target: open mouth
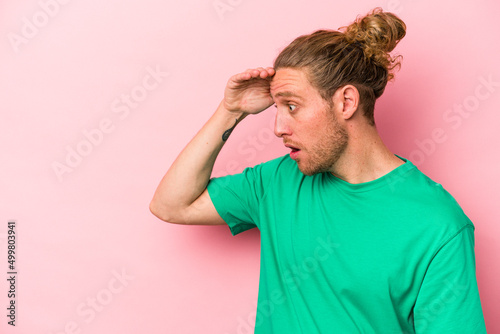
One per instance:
[(293, 148), (294, 151)]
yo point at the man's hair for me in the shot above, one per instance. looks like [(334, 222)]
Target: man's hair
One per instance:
[(355, 55)]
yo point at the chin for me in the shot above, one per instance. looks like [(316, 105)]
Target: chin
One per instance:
[(308, 170), (315, 167)]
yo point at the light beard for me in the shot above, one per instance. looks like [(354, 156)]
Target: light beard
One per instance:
[(324, 155)]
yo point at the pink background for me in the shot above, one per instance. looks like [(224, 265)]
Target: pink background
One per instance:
[(65, 68)]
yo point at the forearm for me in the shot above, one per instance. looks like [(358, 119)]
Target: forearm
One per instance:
[(188, 176)]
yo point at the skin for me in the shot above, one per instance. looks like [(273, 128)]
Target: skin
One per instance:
[(304, 120), (333, 136)]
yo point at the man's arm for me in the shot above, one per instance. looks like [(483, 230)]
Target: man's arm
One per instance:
[(182, 196)]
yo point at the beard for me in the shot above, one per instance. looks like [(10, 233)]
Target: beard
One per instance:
[(323, 155)]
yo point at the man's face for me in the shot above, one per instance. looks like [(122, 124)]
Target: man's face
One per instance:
[(306, 122)]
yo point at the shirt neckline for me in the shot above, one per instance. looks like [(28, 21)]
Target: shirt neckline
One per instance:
[(390, 179)]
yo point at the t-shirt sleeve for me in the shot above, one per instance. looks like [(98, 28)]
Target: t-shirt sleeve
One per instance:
[(448, 301), (236, 198)]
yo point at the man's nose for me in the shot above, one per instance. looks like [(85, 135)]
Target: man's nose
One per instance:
[(281, 127)]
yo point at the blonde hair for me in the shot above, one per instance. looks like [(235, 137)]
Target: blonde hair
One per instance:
[(357, 55)]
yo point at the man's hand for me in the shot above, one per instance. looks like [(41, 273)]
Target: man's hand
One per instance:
[(249, 92)]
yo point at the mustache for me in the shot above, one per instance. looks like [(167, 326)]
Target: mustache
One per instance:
[(291, 144)]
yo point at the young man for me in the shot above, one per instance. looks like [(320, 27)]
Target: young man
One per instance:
[(354, 239)]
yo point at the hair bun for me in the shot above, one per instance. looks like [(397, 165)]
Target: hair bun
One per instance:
[(378, 29), (378, 33)]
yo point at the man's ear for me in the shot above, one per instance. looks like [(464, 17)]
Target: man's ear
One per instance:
[(347, 97)]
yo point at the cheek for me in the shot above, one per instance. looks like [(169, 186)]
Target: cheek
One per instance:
[(311, 136), (316, 126), (313, 129)]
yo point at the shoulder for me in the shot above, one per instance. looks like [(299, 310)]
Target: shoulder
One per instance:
[(283, 165), (280, 162), (275, 173), (257, 179), (437, 204)]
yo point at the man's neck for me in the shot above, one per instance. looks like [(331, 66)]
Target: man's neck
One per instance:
[(365, 159)]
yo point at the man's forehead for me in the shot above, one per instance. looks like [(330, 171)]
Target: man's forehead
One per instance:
[(288, 82)]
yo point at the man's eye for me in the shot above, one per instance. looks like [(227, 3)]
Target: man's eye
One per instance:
[(291, 107)]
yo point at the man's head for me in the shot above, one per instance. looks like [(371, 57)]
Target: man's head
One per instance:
[(308, 125), (356, 55), (324, 78)]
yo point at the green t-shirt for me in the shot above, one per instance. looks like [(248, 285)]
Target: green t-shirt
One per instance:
[(394, 255)]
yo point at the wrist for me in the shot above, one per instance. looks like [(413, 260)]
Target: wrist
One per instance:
[(230, 114)]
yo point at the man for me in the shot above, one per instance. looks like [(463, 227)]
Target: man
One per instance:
[(354, 239)]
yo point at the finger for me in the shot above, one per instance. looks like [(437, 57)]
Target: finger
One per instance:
[(256, 72), (266, 72), (269, 72), (253, 73), (243, 76), (246, 74)]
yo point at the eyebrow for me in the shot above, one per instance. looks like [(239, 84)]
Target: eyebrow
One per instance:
[(287, 94)]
